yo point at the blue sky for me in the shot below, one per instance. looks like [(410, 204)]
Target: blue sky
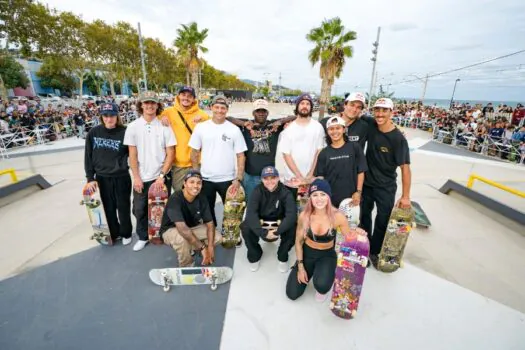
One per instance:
[(418, 37)]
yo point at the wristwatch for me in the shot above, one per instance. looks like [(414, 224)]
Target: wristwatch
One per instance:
[(204, 246), (162, 175)]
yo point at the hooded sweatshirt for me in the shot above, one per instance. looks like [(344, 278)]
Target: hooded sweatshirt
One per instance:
[(105, 153), (182, 134), (271, 206)]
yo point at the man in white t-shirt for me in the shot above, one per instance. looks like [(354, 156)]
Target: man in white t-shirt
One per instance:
[(220, 146), (151, 153), (300, 144)]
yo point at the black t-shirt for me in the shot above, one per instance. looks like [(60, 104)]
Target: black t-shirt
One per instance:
[(340, 167), (178, 209), (356, 132), (261, 142), (385, 153)]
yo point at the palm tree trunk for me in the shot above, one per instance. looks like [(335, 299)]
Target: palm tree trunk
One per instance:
[(195, 80), (187, 77), (325, 96)]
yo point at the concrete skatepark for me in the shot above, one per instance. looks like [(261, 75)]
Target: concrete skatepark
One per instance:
[(462, 287)]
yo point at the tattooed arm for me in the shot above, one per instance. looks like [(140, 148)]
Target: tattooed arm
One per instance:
[(195, 157)]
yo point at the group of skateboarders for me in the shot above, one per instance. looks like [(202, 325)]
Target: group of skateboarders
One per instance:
[(199, 156)]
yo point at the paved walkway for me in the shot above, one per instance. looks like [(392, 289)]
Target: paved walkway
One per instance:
[(462, 287)]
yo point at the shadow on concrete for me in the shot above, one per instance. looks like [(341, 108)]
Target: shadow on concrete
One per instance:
[(102, 298)]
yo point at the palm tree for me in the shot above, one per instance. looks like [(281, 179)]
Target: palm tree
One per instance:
[(331, 50), (189, 44)]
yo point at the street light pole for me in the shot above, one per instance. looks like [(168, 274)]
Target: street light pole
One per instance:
[(142, 59), (453, 92), (374, 59)]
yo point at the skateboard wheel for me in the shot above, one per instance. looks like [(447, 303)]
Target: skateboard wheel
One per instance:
[(364, 262), (213, 287), (414, 225), (381, 263), (401, 264), (166, 288), (353, 313), (332, 305)]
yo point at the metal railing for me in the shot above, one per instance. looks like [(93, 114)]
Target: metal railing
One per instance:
[(474, 177), (485, 144), (11, 172), (44, 133)]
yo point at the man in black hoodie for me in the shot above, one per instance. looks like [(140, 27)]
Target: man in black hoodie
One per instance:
[(106, 166), (270, 201)]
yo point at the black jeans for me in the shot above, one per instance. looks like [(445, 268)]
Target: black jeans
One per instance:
[(115, 193), (210, 189), (140, 207), (320, 267), (384, 198), (255, 251)]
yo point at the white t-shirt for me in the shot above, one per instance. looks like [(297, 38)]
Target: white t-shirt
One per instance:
[(151, 140), (301, 142), (219, 145)]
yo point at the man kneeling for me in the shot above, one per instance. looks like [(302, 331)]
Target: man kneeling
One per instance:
[(270, 201), (187, 223)]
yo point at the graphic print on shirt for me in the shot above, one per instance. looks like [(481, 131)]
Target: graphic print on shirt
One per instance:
[(99, 142), (261, 141)]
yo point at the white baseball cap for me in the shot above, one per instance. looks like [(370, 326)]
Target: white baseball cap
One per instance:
[(356, 96), (384, 103), (335, 121), (260, 104)]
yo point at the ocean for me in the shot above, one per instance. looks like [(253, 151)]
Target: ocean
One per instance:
[(446, 103)]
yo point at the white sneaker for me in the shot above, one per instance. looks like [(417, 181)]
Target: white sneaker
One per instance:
[(255, 266), (283, 267), (139, 245), (126, 241)]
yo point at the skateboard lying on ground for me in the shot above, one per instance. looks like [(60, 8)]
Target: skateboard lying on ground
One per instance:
[(421, 218), (156, 203), (270, 225), (97, 216), (399, 226), (302, 197), (233, 212), (352, 215), (190, 276), (352, 259)]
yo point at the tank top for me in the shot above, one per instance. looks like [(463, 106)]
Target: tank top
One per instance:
[(328, 237)]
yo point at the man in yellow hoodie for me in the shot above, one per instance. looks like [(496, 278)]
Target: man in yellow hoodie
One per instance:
[(182, 118)]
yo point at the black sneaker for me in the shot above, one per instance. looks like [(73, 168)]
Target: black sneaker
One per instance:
[(372, 260), (239, 243)]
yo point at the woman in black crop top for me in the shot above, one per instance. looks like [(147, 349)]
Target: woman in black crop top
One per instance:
[(315, 242)]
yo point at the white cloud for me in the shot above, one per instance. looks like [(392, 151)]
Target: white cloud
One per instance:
[(250, 38)]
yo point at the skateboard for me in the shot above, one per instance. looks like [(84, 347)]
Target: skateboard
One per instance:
[(352, 259), (399, 226), (233, 212), (352, 215), (421, 218), (270, 225), (192, 276), (302, 197), (156, 203), (97, 216)]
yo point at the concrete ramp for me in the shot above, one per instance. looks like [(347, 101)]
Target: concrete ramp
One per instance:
[(22, 188), (484, 200)]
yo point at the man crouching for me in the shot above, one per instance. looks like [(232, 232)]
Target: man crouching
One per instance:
[(187, 223)]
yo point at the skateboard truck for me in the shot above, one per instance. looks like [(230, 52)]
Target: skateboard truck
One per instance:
[(166, 280), (213, 281)]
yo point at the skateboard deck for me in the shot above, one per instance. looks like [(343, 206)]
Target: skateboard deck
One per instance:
[(352, 215), (302, 197), (352, 259), (190, 276), (421, 218), (156, 203), (270, 225), (399, 226), (233, 212), (97, 216)]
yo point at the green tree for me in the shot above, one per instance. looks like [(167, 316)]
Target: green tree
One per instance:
[(11, 74), (189, 44), (53, 75), (381, 94), (331, 50)]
